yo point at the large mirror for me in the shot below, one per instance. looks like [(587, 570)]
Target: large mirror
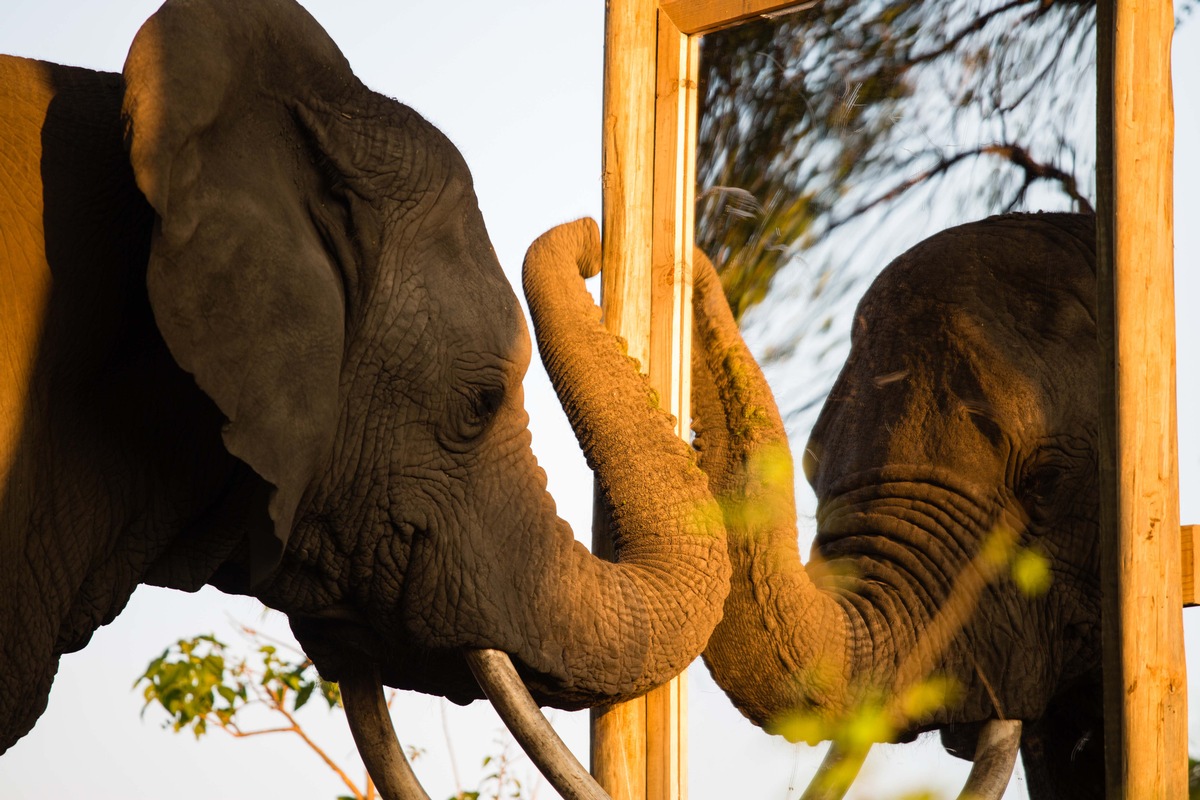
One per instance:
[(832, 138)]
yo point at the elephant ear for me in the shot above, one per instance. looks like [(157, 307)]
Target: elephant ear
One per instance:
[(244, 291)]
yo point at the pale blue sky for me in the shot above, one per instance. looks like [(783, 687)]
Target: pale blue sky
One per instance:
[(517, 87)]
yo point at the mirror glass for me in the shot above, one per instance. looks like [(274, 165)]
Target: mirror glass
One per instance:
[(831, 139)]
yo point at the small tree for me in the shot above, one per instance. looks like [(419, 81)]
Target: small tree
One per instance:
[(203, 685)]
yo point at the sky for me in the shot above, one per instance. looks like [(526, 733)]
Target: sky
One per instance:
[(517, 87)]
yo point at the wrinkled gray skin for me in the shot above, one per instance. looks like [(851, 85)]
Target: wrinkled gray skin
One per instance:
[(256, 336), (968, 401)]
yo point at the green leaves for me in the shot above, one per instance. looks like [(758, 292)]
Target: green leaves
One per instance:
[(203, 685), (198, 686), (1029, 567), (189, 681), (302, 695), (499, 782), (283, 678)]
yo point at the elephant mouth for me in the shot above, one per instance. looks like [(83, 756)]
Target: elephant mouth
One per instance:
[(944, 551), (346, 649), (334, 639), (339, 640)]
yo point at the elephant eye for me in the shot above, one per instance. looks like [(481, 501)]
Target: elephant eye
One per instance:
[(485, 402), (1039, 488), (473, 414)]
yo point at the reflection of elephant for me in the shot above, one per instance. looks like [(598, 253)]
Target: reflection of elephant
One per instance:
[(350, 444), (956, 454)]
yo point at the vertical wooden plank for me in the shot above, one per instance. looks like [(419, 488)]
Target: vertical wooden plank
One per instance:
[(628, 170), (670, 342), (618, 732), (1187, 549), (674, 218), (639, 749), (1145, 690)]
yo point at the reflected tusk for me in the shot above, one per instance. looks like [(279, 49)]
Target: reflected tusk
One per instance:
[(500, 682), (367, 713), (838, 770), (995, 757)]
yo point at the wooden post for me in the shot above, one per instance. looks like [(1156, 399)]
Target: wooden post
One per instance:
[(1189, 553), (670, 339), (1144, 674), (619, 732), (639, 749)]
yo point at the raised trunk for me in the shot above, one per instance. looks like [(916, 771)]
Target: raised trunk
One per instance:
[(617, 629), (784, 647)]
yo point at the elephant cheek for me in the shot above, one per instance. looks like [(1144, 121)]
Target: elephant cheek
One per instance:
[(457, 593)]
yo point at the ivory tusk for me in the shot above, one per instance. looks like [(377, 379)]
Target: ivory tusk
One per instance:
[(371, 726), (500, 682), (837, 772), (995, 757)]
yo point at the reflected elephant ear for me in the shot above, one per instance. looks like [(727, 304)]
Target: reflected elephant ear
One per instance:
[(244, 290)]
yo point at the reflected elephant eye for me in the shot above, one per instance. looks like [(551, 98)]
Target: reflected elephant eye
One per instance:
[(1039, 487)]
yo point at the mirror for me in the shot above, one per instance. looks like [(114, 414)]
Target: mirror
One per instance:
[(831, 139)]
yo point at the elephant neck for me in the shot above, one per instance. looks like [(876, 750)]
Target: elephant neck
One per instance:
[(108, 450)]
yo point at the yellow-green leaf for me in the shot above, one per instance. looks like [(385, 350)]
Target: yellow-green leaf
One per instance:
[(1031, 572)]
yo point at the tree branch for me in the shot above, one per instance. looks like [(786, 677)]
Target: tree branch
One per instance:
[(316, 748), (1015, 154), (978, 24)]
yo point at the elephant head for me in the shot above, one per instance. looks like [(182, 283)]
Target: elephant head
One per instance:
[(313, 391), (955, 457)]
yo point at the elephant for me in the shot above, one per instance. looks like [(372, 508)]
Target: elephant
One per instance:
[(257, 337), (957, 446)]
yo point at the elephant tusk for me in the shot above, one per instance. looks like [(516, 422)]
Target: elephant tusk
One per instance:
[(838, 770), (371, 726), (500, 682), (995, 757)]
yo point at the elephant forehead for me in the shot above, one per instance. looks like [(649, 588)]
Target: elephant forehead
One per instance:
[(942, 360), (480, 313), (440, 289), (1028, 275)]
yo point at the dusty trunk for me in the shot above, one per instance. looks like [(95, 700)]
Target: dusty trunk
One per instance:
[(621, 628), (783, 647)]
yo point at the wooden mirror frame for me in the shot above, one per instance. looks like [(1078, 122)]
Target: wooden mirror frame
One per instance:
[(1141, 570), (649, 171)]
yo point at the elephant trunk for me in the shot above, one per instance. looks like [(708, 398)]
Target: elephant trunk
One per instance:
[(784, 647), (617, 629)]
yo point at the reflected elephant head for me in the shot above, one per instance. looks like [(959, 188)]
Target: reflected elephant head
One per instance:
[(954, 576)]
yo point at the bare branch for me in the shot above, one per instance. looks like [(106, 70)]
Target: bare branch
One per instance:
[(1013, 153), (976, 25)]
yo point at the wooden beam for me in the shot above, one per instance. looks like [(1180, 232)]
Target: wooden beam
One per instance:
[(670, 340), (639, 749), (619, 732), (627, 170), (1189, 566), (704, 16), (1144, 674), (674, 218)]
